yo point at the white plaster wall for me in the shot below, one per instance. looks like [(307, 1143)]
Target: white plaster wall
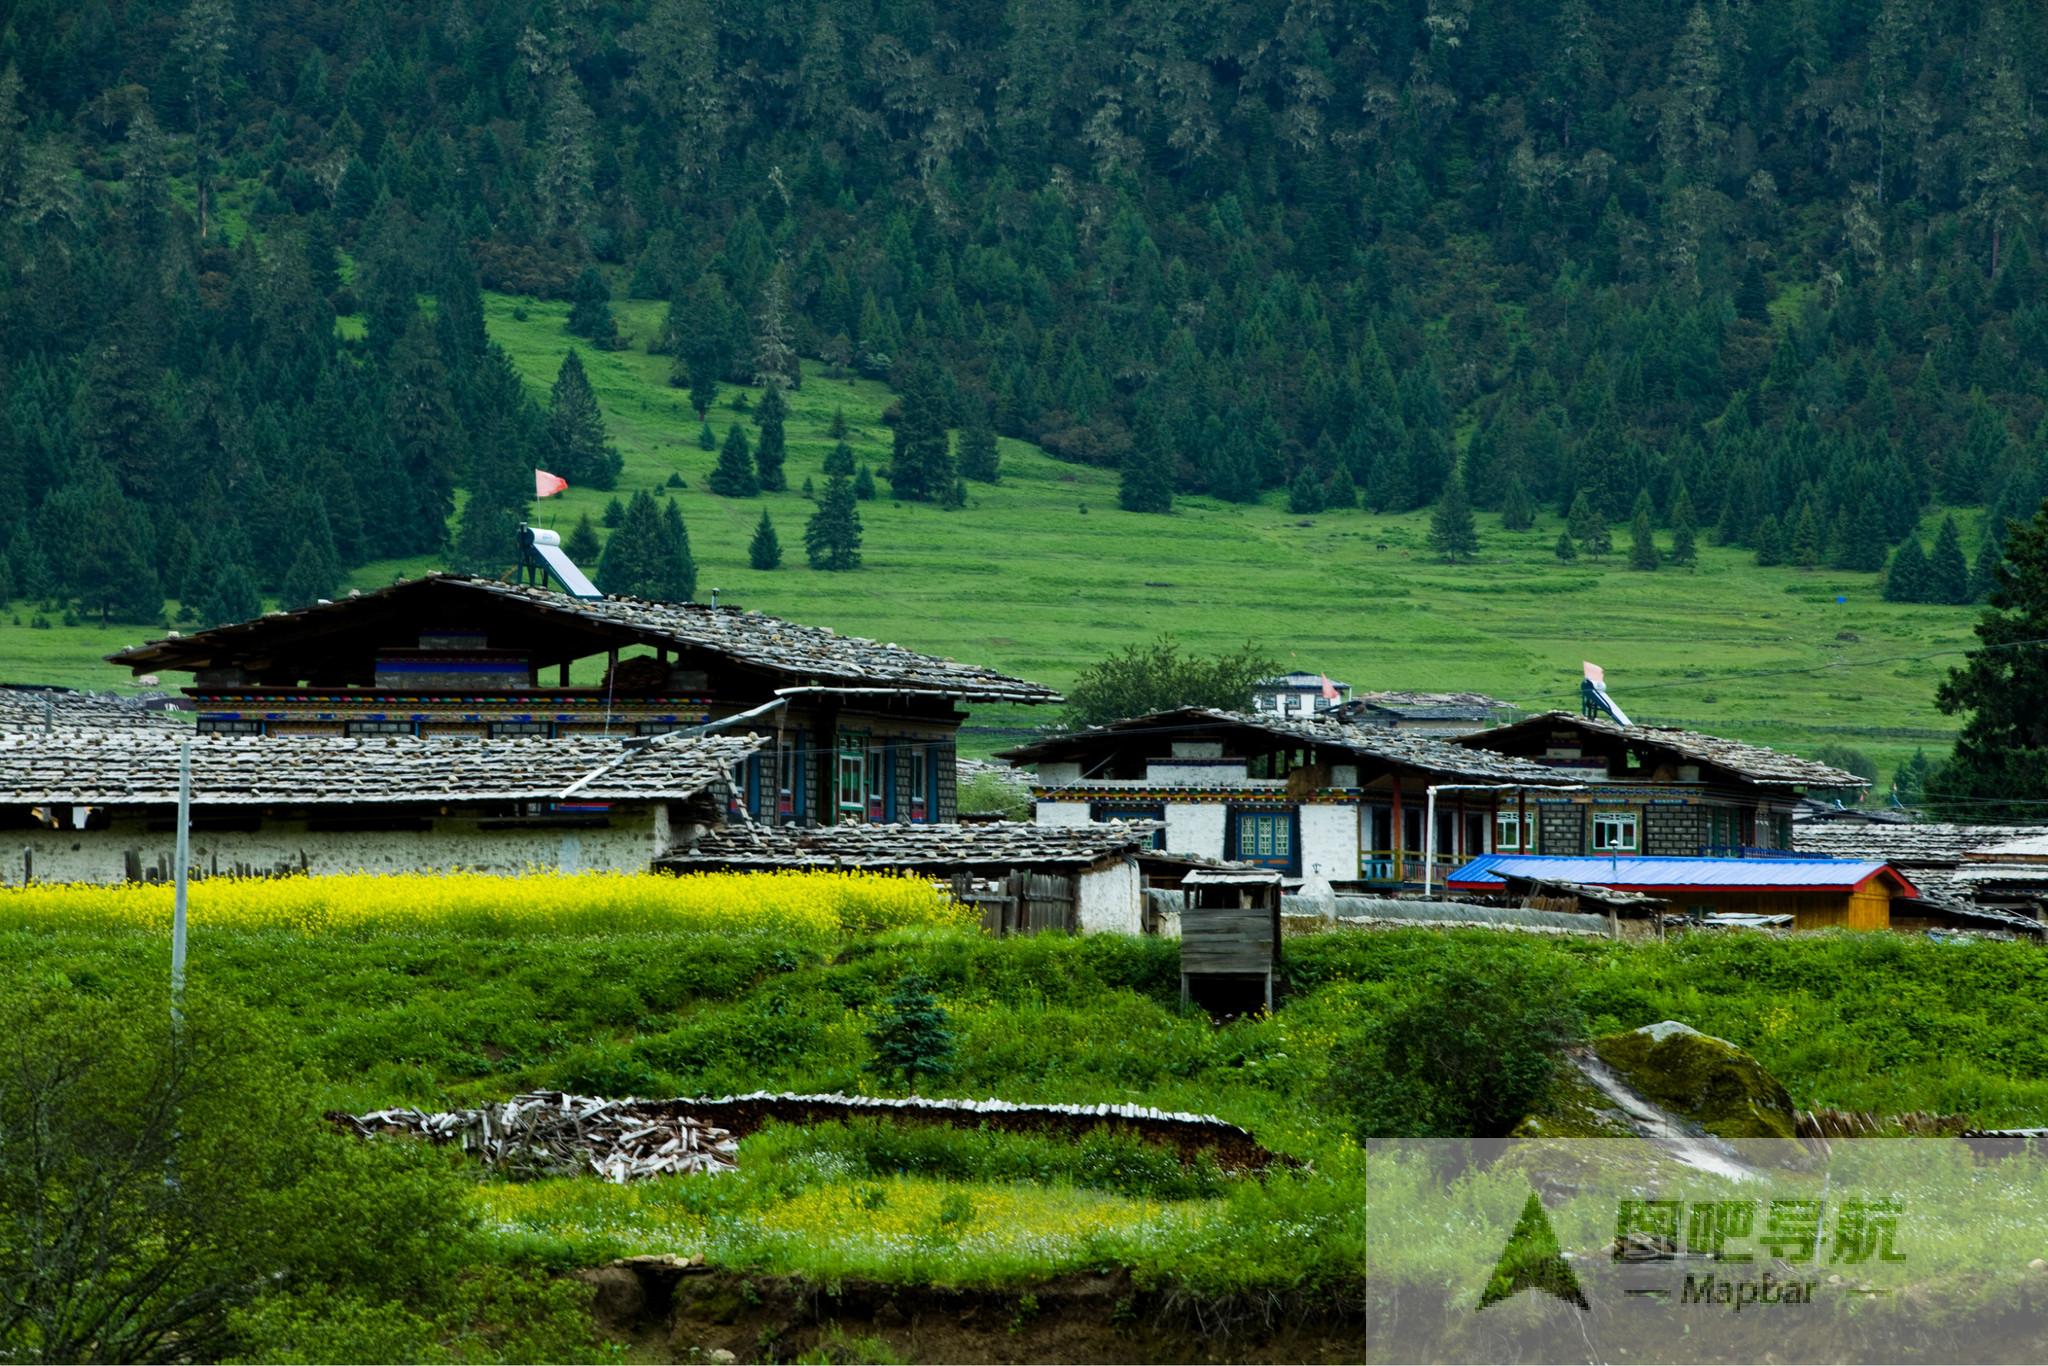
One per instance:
[(635, 837), (1195, 775), (1058, 775), (1195, 828), (1343, 775), (1109, 900), (1329, 837), (1198, 749), (1063, 813)]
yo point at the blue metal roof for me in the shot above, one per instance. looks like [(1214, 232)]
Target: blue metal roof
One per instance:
[(1652, 874)]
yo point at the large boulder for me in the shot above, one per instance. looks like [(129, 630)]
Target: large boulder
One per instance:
[(1700, 1078)]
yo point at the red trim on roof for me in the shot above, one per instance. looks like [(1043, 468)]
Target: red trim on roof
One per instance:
[(1617, 886)]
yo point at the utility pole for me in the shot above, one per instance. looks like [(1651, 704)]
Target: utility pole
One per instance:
[(181, 868)]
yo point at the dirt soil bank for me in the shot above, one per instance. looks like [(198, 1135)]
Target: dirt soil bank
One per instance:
[(667, 1311)]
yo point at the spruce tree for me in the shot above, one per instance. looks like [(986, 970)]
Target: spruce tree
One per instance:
[(733, 476), (1517, 509), (311, 578), (614, 514), (1305, 493), (979, 458), (1451, 530), (1770, 541), (1984, 569), (1906, 579), (1341, 491), (764, 551), (832, 536), (921, 465), (679, 566), (769, 454), (1566, 551), (582, 545), (839, 460), (1145, 486), (910, 1036), (707, 440), (1388, 490), (590, 310), (1948, 574), (1587, 527), (1684, 532), (864, 484), (577, 447), (703, 393), (836, 428), (229, 596), (1803, 539), (1642, 537), (632, 565), (1999, 768)]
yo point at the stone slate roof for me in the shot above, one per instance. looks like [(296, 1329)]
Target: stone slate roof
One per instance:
[(1403, 748), (805, 654), (1932, 845), (140, 768), (919, 848), (1755, 763), (30, 709), (1427, 706)]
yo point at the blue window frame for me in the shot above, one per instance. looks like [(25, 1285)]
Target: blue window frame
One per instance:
[(1131, 811), (1265, 838)]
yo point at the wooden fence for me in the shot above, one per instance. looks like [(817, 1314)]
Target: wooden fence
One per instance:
[(1022, 903)]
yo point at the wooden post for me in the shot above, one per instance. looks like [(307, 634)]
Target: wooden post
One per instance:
[(562, 675), (1523, 844), (1400, 832)]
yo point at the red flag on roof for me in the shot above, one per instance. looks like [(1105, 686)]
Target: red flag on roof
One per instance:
[(1329, 688), (546, 485)]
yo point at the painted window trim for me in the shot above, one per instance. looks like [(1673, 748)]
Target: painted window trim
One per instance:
[(1629, 820)]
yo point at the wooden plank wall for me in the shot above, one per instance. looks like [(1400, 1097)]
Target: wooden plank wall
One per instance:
[(1024, 903)]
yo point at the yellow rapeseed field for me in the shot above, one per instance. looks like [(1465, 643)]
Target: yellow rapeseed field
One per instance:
[(536, 903)]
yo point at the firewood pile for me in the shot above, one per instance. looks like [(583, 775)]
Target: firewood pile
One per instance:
[(550, 1133)]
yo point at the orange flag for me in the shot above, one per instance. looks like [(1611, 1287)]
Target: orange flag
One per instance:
[(545, 484)]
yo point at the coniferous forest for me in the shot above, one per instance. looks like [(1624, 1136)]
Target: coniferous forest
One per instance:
[(1765, 270)]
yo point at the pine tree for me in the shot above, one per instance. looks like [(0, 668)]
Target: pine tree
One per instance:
[(979, 457), (864, 484), (1642, 537), (311, 578), (1803, 539), (910, 1036), (764, 551), (577, 447), (1388, 490), (707, 440), (582, 545), (839, 460), (769, 455), (703, 392), (614, 514), (1684, 534), (1588, 527), (1566, 551), (590, 310), (1517, 509), (1909, 784), (733, 476), (230, 596), (832, 536), (1906, 580), (1948, 574), (836, 428), (1984, 569), (1340, 491), (1452, 533)]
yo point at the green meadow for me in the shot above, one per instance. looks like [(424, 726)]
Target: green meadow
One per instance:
[(1042, 573)]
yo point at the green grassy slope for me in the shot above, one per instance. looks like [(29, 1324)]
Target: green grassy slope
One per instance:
[(1042, 573)]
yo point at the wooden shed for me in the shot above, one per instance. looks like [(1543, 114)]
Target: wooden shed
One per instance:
[(1230, 929)]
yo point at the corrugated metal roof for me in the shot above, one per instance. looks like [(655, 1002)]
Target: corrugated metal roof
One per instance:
[(1649, 874)]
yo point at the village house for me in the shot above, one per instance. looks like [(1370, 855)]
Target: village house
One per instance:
[(1650, 790), (1431, 713), (1298, 694), (1303, 796), (1815, 893), (1026, 877), (1993, 878), (100, 805), (857, 730), (25, 708)]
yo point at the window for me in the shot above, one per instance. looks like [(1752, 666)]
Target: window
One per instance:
[(1112, 811), (1507, 831), (920, 784), (382, 728), (1614, 832), (1266, 837), (221, 725), (506, 729), (852, 785)]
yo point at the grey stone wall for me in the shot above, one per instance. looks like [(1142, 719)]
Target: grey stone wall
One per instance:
[(1672, 830), (1561, 829)]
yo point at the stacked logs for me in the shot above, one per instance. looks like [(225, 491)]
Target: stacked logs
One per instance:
[(550, 1133)]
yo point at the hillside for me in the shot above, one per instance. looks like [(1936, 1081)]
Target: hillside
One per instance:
[(1042, 573)]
